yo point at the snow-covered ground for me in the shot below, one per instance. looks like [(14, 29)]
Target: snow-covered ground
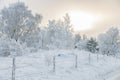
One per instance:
[(116, 77), (39, 66)]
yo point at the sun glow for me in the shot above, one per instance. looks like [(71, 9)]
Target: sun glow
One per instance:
[(82, 21)]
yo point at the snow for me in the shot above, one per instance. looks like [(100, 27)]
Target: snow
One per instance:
[(33, 66), (117, 77)]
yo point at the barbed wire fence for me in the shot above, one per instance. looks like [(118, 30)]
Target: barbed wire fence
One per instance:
[(13, 75)]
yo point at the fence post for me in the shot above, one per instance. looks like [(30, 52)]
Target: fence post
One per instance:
[(54, 63), (76, 61), (13, 68), (89, 58), (97, 57)]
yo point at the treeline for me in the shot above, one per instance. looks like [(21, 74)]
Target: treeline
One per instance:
[(20, 29)]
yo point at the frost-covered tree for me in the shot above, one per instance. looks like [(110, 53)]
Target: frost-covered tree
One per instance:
[(44, 37), (77, 39), (109, 41), (84, 37), (60, 33), (17, 20), (32, 38), (91, 45)]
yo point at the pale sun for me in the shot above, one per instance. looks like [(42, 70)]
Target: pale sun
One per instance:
[(82, 21)]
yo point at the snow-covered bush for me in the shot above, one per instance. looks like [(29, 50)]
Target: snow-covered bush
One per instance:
[(77, 39)]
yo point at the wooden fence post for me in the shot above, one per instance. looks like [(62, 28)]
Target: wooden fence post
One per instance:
[(54, 63), (13, 68), (97, 57), (76, 61), (89, 58)]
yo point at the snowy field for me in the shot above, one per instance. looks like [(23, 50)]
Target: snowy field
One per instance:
[(39, 66)]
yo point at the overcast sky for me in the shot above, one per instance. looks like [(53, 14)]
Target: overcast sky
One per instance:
[(54, 9)]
